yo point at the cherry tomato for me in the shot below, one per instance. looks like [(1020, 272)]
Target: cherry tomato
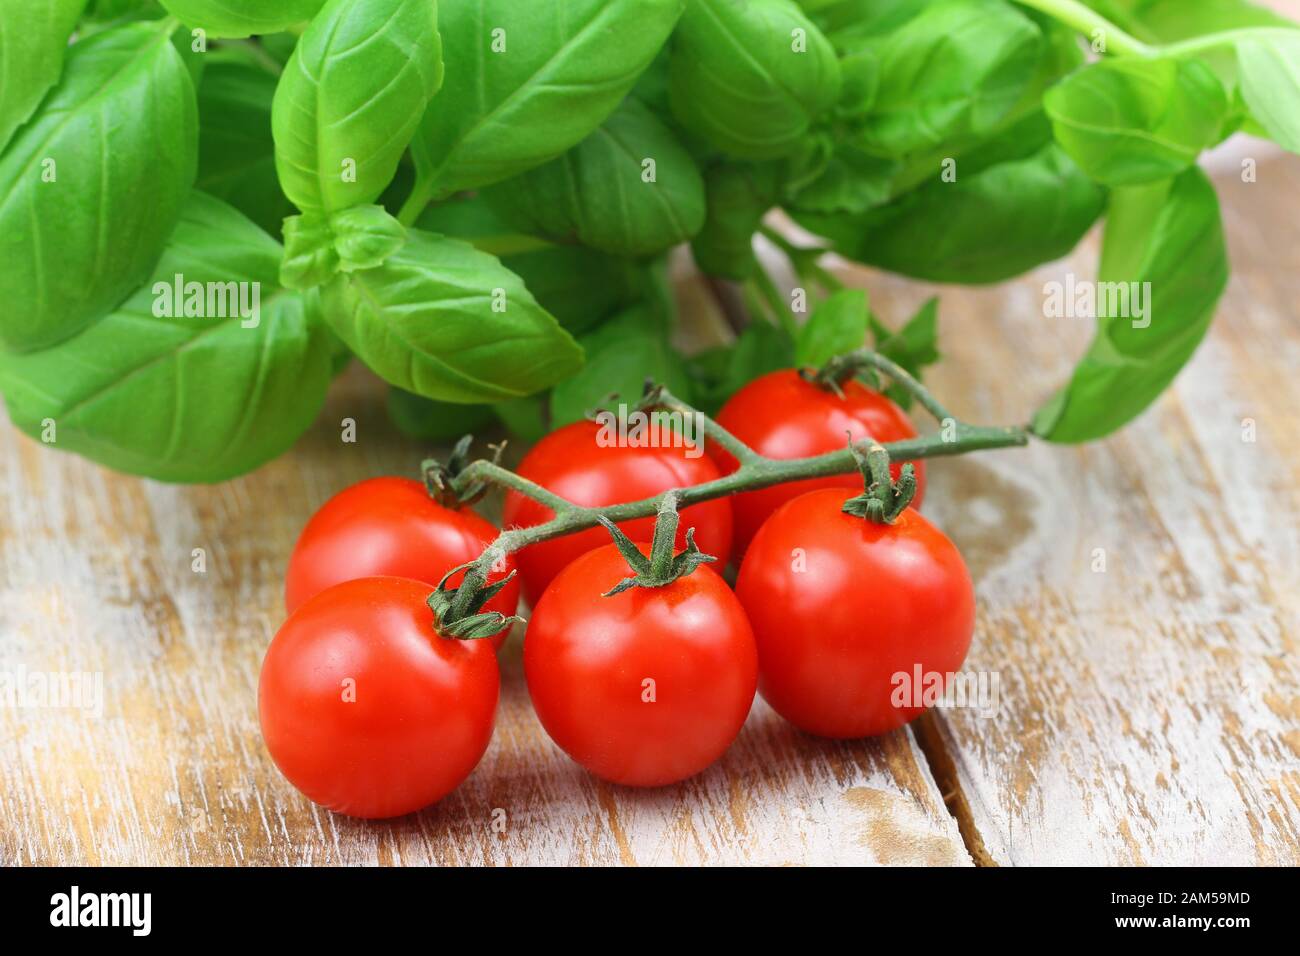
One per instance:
[(369, 711), (841, 605), (391, 527), (646, 687), (572, 463), (782, 416)]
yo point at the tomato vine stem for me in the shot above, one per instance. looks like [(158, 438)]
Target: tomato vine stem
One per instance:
[(755, 471)]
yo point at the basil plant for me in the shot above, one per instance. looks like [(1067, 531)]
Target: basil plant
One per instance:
[(209, 207)]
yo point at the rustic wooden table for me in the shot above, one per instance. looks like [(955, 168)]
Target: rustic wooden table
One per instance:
[(1149, 713)]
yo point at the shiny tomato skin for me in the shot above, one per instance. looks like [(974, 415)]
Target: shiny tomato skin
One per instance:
[(423, 706), (390, 527), (839, 605), (782, 416), (571, 463), (586, 657)]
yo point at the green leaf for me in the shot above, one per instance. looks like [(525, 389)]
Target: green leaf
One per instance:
[(750, 76), (847, 22), (837, 325), (581, 287), (630, 189), (427, 420), (236, 151), (350, 100), (528, 81), (317, 246), (310, 259), (241, 18), (93, 185), (621, 355), (526, 418), (738, 196), (988, 225), (1130, 121), (1165, 21), (1169, 235), (853, 181), (955, 70), (448, 322), (1270, 84), (914, 346), (365, 236), (720, 373), (102, 14), (189, 398), (33, 38)]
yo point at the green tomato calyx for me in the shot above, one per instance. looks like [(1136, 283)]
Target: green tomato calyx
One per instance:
[(459, 612), (884, 499), (662, 567)]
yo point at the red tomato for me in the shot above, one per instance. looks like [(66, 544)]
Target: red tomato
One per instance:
[(571, 463), (782, 416), (588, 659), (840, 605), (366, 709), (390, 527)]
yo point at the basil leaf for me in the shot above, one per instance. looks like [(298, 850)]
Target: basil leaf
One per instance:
[(1131, 121), (1270, 84), (621, 355), (1169, 20), (1169, 235), (427, 420), (528, 81), (350, 100), (630, 189), (761, 348), (914, 346), (749, 76), (101, 14), (316, 246), (837, 325), (720, 373), (33, 39), (738, 196), (955, 70), (853, 182), (241, 18), (581, 287), (236, 151), (988, 225), (526, 418), (846, 22), (93, 185), (448, 322), (185, 397)]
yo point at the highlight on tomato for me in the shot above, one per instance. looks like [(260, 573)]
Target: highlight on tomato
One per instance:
[(367, 707), (579, 463), (842, 603), (392, 527), (642, 676), (785, 415)]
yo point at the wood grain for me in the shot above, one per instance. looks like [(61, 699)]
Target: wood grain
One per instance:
[(1151, 711)]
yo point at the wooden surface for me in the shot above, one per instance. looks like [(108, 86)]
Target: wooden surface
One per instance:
[(1149, 713)]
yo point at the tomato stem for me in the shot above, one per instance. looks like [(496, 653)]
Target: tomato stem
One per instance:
[(664, 565), (883, 499), (756, 471)]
